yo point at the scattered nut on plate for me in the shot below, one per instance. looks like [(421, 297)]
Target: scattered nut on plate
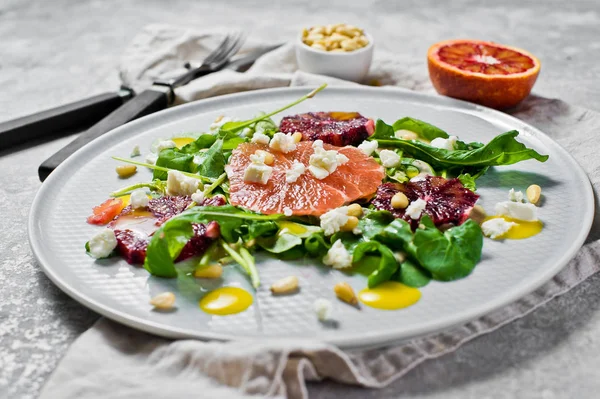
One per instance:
[(336, 38), (163, 301)]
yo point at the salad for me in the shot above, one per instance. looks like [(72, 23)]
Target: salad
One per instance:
[(338, 187)]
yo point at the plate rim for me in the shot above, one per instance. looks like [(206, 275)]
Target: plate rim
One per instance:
[(365, 339)]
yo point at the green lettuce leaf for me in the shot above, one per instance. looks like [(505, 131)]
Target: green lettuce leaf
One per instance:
[(501, 150), (449, 255), (423, 129), (174, 159), (212, 162), (387, 263), (409, 273)]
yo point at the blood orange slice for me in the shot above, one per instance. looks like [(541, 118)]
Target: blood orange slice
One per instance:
[(358, 178), (448, 201), (486, 73)]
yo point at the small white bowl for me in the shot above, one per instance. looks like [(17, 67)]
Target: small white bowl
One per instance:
[(351, 65)]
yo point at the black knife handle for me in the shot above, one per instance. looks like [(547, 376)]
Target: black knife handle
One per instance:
[(57, 121), (145, 103)]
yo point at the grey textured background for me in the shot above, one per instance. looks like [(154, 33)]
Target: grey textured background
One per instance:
[(53, 52)]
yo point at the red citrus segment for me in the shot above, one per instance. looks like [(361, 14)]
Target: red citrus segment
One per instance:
[(106, 211), (356, 179), (490, 74), (485, 58)]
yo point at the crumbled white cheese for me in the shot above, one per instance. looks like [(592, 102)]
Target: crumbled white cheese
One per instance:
[(323, 309), (163, 145), (258, 157), (135, 152), (517, 210), (151, 158), (338, 256), (368, 146), (138, 199), (446, 144), (332, 221), (282, 142), (415, 208), (198, 197), (102, 244), (323, 162), (260, 138), (389, 159), (496, 227), (258, 173), (287, 211), (515, 196), (294, 172), (180, 184), (219, 122)]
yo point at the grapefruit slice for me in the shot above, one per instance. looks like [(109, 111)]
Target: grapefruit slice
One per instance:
[(448, 201), (486, 73), (358, 178)]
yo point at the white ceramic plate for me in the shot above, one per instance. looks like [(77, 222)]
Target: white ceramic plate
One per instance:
[(507, 271)]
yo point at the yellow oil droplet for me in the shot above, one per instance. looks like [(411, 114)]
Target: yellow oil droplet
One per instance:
[(226, 300), (292, 228), (522, 229), (390, 295), (125, 200), (181, 141)]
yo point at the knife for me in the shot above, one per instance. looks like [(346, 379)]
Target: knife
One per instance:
[(240, 64), (57, 122)]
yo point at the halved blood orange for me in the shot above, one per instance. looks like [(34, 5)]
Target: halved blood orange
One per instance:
[(486, 73), (358, 178)]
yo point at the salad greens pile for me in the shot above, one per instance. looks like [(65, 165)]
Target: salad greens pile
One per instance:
[(387, 247)]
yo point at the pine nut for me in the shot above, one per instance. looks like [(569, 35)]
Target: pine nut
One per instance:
[(285, 285), (210, 271), (335, 38), (350, 224), (349, 45), (164, 301), (355, 210), (399, 201), (297, 137), (477, 214), (533, 193), (125, 171), (269, 159), (345, 293)]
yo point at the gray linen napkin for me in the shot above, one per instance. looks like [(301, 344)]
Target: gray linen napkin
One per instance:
[(111, 360)]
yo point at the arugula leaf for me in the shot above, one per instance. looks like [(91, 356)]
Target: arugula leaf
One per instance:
[(212, 162), (234, 127), (155, 185), (172, 158), (261, 229), (397, 235), (280, 243), (316, 244), (423, 129), (165, 245), (168, 241), (203, 141), (246, 261), (501, 150), (412, 275), (468, 181), (387, 263), (373, 223), (450, 255)]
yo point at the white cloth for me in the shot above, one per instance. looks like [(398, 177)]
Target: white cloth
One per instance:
[(111, 360)]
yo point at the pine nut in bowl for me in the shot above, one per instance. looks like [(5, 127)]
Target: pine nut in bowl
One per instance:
[(341, 51)]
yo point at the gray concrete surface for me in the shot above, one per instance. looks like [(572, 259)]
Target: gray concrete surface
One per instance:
[(53, 52)]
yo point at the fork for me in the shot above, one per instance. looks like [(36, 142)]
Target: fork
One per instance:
[(159, 96)]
